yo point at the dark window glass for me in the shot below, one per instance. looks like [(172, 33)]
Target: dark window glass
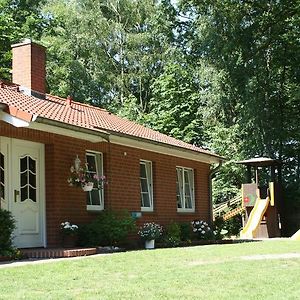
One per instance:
[(28, 178)]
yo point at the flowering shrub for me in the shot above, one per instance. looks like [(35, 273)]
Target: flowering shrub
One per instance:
[(150, 231), (80, 176), (68, 229), (201, 230)]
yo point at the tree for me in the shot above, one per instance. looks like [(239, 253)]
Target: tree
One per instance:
[(109, 50), (19, 19)]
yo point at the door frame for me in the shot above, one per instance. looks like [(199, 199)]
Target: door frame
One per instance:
[(6, 148)]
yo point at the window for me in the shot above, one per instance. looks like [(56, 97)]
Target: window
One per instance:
[(95, 198), (28, 178), (185, 189), (2, 182), (146, 185)]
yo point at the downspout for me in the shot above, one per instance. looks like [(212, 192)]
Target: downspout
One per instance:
[(211, 175)]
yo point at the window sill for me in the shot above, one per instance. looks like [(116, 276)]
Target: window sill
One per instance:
[(94, 208), (147, 209), (182, 210)]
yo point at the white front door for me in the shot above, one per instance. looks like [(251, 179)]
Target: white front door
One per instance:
[(25, 191)]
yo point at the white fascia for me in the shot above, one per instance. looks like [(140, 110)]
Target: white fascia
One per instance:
[(68, 130), (16, 122), (164, 149)]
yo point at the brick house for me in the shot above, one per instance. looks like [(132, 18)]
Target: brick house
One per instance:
[(152, 175)]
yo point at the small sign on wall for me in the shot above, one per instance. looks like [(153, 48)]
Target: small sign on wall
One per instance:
[(136, 214)]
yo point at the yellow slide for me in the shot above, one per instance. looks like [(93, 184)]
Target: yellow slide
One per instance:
[(296, 236), (255, 217)]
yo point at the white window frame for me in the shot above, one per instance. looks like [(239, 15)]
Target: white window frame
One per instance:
[(2, 180), (149, 178), (181, 194), (99, 169)]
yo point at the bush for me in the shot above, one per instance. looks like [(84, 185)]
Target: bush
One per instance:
[(172, 236), (150, 231), (201, 230), (227, 228), (7, 226), (219, 228), (234, 225), (109, 229), (185, 231)]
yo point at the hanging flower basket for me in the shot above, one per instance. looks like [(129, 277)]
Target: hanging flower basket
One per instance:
[(88, 186), (82, 177)]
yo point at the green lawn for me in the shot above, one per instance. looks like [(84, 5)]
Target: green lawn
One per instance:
[(240, 271)]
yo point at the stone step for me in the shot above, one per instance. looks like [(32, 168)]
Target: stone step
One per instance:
[(57, 252)]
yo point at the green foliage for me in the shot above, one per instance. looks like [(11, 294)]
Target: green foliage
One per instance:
[(18, 20), (150, 231), (228, 228), (219, 230), (172, 236), (7, 226), (185, 231), (234, 225), (106, 52), (109, 228), (220, 74), (201, 230)]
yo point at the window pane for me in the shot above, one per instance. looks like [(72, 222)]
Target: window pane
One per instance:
[(24, 179), (145, 200), (23, 164), (185, 184), (94, 165), (24, 193), (179, 188), (2, 180), (145, 184), (91, 160), (32, 180), (95, 197), (28, 178), (143, 170), (179, 205), (31, 165), (32, 194)]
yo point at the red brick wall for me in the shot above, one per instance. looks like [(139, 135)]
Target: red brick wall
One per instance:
[(123, 189), (28, 66)]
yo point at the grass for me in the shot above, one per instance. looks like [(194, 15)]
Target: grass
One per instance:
[(205, 272)]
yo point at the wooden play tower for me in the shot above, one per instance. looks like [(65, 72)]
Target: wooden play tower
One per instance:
[(261, 198)]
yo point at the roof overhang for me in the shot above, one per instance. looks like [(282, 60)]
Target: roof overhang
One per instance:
[(15, 116), (19, 118), (260, 162), (56, 127), (162, 148)]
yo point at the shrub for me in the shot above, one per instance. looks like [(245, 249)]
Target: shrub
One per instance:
[(150, 231), (172, 236), (234, 225), (219, 228), (7, 226), (201, 230), (227, 228), (110, 228), (185, 231)]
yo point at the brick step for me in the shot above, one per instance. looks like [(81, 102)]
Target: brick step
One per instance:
[(57, 252)]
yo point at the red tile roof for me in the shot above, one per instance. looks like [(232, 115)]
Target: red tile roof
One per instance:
[(84, 115)]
